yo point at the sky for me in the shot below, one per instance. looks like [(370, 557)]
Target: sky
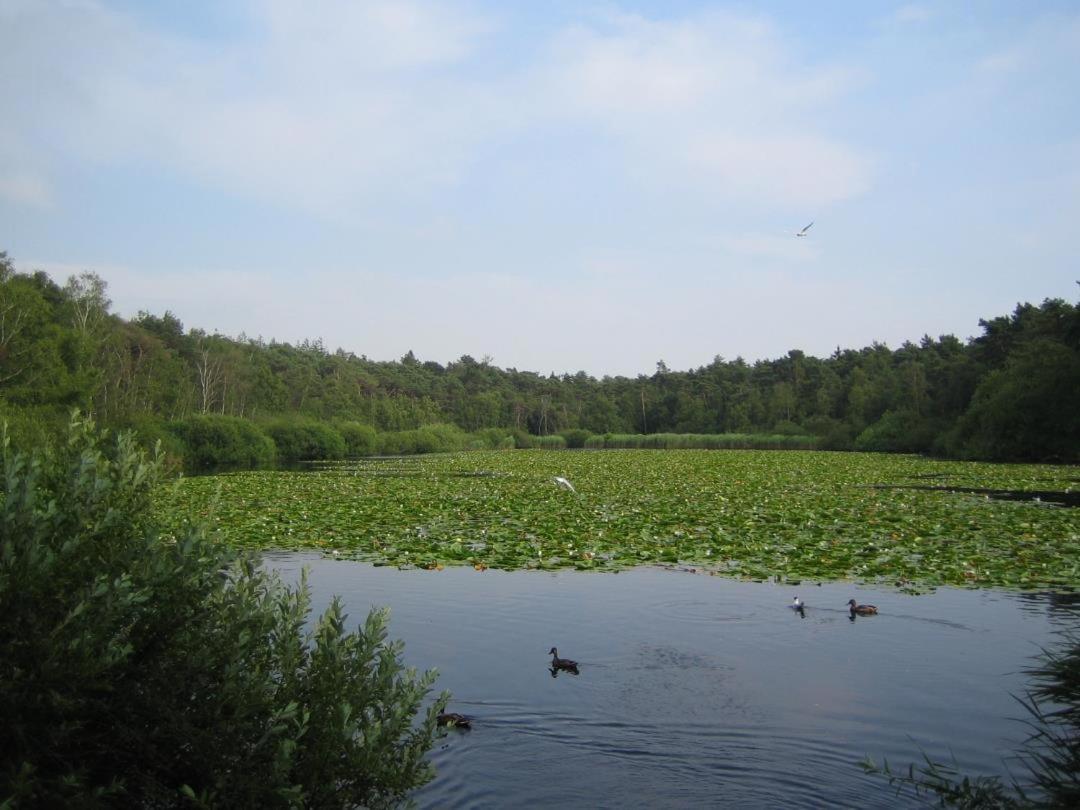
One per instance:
[(556, 186)]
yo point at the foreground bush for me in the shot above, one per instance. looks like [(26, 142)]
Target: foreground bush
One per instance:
[(146, 673)]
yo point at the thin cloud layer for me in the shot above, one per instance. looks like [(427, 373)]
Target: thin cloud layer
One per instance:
[(557, 187), (334, 110)]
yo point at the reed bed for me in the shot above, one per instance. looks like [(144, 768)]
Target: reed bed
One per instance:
[(700, 441)]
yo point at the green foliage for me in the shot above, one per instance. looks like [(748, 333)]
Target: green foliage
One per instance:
[(305, 440), (951, 788), (896, 432), (575, 438), (32, 426), (491, 439), (1029, 409), (426, 439), (216, 442), (146, 673), (703, 441), (1052, 753), (360, 439), (1010, 393), (549, 442), (523, 440), (151, 432), (833, 434), (754, 514), (785, 427)]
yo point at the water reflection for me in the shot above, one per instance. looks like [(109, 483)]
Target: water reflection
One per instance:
[(697, 690)]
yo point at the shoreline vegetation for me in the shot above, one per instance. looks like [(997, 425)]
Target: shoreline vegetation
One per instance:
[(1010, 394)]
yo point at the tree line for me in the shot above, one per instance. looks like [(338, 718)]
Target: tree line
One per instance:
[(1012, 392)]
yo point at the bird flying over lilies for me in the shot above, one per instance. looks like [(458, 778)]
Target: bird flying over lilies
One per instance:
[(562, 482)]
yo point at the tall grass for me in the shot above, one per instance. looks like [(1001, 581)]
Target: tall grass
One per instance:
[(549, 442), (700, 441)]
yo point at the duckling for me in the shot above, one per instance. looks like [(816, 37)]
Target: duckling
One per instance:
[(562, 663), (454, 720), (862, 610)]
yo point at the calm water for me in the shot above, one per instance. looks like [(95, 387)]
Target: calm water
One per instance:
[(697, 690)]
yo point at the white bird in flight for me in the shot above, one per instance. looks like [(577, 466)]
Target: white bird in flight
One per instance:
[(804, 230), (562, 482)]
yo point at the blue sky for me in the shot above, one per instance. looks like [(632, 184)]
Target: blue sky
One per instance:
[(556, 185)]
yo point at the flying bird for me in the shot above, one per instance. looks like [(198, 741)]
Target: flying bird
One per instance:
[(804, 230), (562, 482)]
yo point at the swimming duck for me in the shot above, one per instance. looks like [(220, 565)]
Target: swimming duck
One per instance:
[(454, 720), (797, 604), (862, 610), (562, 663)]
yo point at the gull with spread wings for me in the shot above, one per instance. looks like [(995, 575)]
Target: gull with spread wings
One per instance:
[(804, 230)]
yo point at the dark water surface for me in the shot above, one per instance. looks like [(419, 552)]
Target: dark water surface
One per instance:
[(696, 690)]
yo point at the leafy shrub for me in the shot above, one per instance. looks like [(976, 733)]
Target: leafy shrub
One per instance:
[(785, 427), (705, 441), (832, 434), (491, 439), (152, 432), (1027, 410), (575, 438), (523, 440), (305, 440), (143, 672), (213, 442), (360, 439), (549, 442), (439, 439), (426, 439), (896, 432), (33, 425)]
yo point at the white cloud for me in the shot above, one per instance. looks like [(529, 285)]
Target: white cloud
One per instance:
[(25, 189), (912, 13), (336, 110), (714, 100), (1049, 46)]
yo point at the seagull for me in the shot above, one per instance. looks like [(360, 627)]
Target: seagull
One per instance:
[(804, 230), (562, 482)]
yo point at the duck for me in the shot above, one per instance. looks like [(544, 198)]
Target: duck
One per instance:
[(562, 663), (454, 720), (797, 604), (862, 610)]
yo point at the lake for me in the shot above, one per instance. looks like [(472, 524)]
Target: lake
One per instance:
[(697, 690)]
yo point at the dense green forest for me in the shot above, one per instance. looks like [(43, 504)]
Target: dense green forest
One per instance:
[(1012, 392)]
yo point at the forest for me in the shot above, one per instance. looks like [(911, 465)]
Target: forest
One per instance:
[(1009, 393)]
